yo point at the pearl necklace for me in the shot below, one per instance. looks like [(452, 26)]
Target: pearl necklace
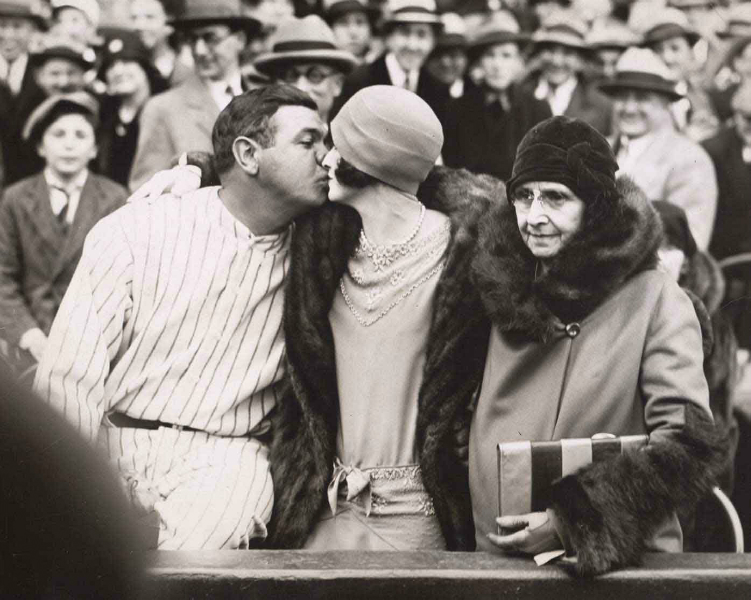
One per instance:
[(383, 256)]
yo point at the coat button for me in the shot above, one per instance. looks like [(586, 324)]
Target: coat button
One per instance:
[(573, 329)]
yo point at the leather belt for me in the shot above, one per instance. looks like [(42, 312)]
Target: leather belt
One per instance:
[(122, 420)]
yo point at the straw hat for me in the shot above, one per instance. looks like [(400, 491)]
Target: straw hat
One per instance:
[(611, 35), (501, 28), (307, 39), (562, 29), (642, 69), (411, 11)]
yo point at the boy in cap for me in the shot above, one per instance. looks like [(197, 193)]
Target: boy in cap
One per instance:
[(45, 218), (304, 54), (77, 19), (449, 60), (484, 127)]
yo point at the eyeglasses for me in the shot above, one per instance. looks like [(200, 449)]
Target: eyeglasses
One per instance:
[(313, 74), (550, 200), (211, 38)]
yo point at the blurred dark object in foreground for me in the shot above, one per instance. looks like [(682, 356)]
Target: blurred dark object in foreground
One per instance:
[(67, 530)]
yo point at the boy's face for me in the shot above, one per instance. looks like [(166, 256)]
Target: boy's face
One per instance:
[(149, 19), (68, 145), (60, 76), (15, 35), (411, 44), (73, 22)]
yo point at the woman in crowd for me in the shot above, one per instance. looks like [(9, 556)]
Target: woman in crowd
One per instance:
[(131, 80), (588, 337), (385, 341)]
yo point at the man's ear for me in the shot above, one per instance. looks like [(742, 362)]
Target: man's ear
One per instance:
[(337, 81), (245, 151)]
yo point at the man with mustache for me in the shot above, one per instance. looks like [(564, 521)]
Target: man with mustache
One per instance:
[(167, 349)]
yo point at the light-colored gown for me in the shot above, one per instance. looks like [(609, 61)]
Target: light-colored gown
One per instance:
[(376, 498)]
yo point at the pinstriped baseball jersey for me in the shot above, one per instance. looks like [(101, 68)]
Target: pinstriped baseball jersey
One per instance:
[(174, 314)]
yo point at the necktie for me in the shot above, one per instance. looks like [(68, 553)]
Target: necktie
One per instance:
[(63, 214)]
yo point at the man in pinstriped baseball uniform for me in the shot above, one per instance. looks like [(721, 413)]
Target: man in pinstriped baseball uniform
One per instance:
[(167, 349)]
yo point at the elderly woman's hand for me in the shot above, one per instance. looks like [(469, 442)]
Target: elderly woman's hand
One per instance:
[(535, 532)]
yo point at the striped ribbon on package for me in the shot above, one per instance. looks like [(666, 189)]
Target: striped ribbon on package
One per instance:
[(527, 470)]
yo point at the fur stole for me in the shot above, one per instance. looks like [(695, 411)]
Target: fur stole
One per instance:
[(613, 244), (306, 420)]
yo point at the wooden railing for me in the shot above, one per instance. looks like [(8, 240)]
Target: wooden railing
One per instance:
[(423, 575)]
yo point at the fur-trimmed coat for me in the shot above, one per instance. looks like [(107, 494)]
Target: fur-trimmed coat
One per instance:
[(601, 342), (305, 428)]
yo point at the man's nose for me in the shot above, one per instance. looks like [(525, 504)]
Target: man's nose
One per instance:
[(200, 48)]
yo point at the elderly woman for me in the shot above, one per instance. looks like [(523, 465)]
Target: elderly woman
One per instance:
[(386, 341), (588, 337)]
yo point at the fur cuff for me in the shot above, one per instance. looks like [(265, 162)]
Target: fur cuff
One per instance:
[(610, 510)]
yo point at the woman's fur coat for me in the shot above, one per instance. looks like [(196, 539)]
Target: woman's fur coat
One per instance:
[(610, 509), (305, 427)]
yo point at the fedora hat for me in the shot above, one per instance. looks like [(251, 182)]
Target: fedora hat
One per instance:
[(336, 9), (454, 34), (198, 13), (668, 23), (307, 39), (642, 69), (562, 29), (737, 22), (411, 11), (611, 35), (36, 11), (500, 28)]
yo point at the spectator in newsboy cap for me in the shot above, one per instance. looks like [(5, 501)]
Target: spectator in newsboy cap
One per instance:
[(46, 217), (304, 53), (20, 21), (448, 61)]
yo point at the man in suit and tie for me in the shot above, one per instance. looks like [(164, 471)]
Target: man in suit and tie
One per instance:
[(182, 118), (664, 163), (410, 31), (45, 218), (484, 127)]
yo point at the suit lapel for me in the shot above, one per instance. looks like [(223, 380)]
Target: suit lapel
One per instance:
[(40, 217), (201, 105)]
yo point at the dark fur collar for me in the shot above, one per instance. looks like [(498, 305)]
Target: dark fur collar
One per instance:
[(613, 244)]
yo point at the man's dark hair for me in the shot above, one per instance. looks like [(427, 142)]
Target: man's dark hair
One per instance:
[(249, 115), (349, 175)]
